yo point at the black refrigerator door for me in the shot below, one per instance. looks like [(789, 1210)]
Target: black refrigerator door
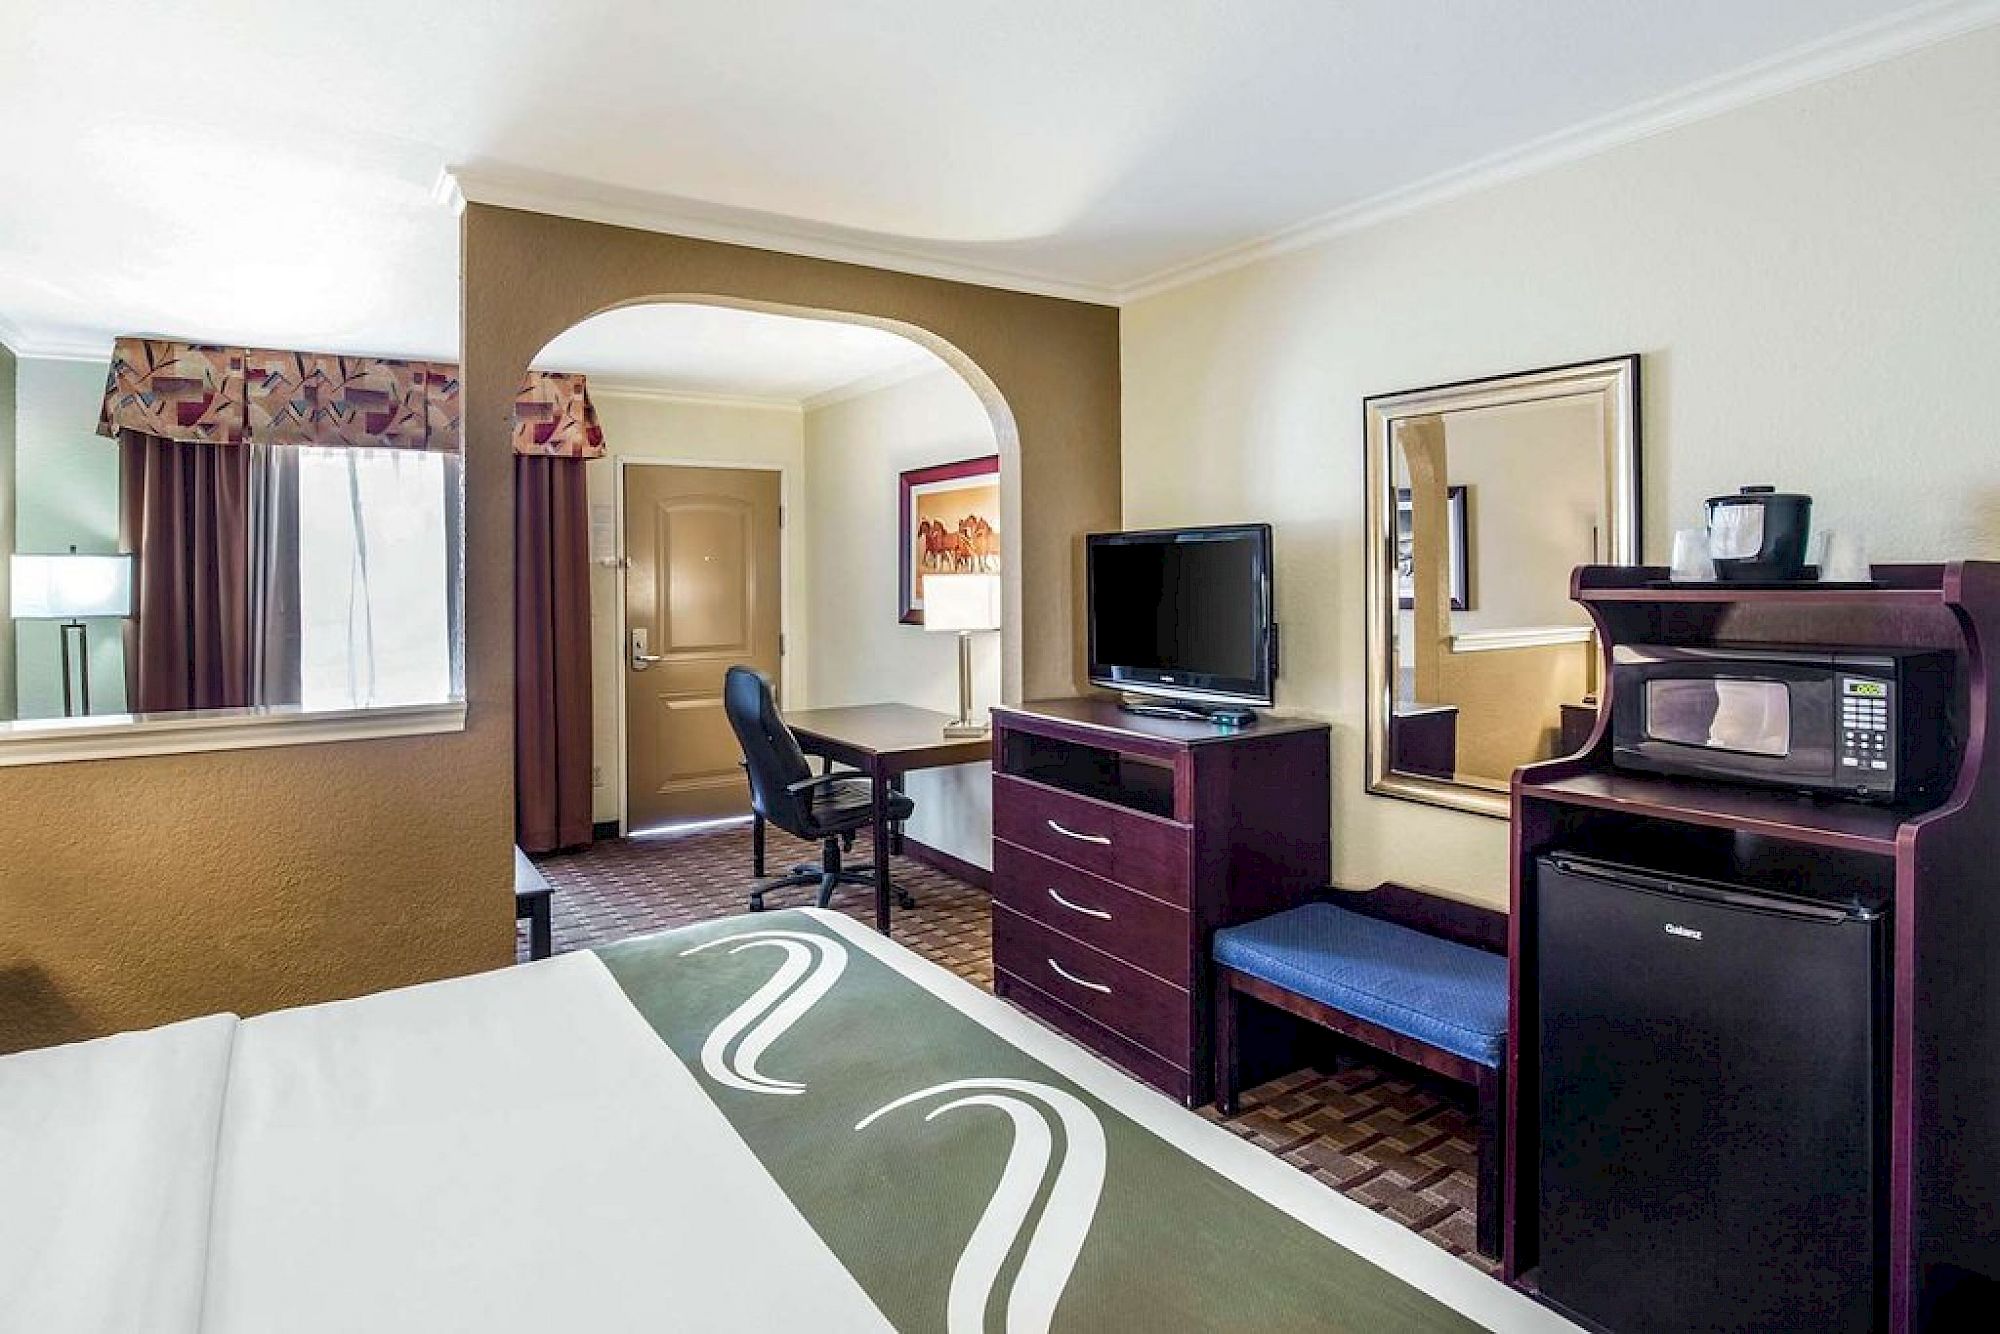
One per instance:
[(1708, 1097)]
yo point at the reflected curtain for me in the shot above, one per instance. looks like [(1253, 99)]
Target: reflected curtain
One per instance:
[(184, 516), (276, 632), (552, 790)]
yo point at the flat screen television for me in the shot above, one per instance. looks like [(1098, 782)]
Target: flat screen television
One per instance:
[(1183, 613)]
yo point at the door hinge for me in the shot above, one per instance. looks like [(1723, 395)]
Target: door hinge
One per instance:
[(781, 516), (781, 646)]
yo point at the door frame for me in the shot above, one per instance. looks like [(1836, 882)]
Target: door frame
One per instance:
[(786, 631)]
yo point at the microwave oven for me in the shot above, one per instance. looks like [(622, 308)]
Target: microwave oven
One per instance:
[(1869, 724)]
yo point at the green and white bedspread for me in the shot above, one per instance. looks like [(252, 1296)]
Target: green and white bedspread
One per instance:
[(772, 1123), (973, 1171)]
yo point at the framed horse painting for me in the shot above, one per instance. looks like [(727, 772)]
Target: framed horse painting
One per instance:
[(950, 525)]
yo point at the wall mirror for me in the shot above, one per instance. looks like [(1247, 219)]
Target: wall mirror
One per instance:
[(219, 547), (1483, 496)]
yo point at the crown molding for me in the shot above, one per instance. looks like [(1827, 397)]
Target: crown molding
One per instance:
[(612, 388), (646, 210), (875, 382), (27, 347), (1840, 53)]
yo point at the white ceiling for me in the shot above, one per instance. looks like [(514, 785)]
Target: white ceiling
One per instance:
[(265, 173), (726, 352)]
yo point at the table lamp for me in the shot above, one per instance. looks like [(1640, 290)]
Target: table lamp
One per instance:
[(962, 604), (68, 588)]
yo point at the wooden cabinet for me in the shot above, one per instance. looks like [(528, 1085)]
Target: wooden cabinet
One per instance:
[(1120, 844), (1933, 866)]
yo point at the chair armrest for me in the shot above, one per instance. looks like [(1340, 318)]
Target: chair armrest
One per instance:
[(821, 780)]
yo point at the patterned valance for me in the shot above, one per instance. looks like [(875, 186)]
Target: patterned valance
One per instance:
[(234, 395)]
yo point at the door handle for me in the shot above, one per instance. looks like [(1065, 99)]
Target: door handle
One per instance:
[(1078, 907), (1080, 981), (1098, 839), (641, 659)]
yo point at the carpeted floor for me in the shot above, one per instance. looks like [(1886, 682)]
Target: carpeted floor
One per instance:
[(1391, 1139)]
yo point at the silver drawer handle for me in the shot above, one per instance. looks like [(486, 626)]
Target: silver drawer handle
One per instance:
[(1078, 907), (1094, 986), (1098, 839)]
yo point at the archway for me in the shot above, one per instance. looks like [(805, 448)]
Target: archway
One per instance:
[(778, 438), (1052, 363)]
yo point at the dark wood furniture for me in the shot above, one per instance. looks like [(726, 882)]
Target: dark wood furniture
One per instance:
[(884, 742), (1940, 867), (533, 899), (1578, 722), (1120, 844), (1423, 739), (1428, 914)]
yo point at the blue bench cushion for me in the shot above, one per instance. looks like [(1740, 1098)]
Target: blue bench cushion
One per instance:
[(1437, 991)]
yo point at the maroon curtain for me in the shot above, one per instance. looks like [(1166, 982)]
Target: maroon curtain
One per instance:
[(184, 513), (551, 654)]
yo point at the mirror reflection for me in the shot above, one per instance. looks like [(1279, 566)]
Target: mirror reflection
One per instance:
[(1486, 496), (204, 528)]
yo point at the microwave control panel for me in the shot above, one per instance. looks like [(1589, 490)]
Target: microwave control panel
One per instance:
[(1867, 747)]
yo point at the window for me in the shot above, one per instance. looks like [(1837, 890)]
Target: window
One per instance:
[(377, 584)]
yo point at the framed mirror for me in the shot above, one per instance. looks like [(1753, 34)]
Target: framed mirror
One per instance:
[(1482, 497)]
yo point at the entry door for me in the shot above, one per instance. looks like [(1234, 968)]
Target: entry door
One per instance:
[(701, 595)]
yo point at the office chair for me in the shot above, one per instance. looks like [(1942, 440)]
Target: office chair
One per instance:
[(828, 807)]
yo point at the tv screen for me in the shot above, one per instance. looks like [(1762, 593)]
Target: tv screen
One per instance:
[(1184, 613)]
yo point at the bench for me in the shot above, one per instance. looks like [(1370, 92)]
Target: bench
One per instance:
[(1421, 978), (533, 895)]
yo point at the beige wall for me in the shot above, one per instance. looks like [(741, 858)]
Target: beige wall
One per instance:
[(1047, 369), (133, 892), (861, 653), (661, 426), (1814, 282)]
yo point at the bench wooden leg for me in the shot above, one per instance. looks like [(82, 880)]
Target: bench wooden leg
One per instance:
[(1492, 1094), (1228, 1069)]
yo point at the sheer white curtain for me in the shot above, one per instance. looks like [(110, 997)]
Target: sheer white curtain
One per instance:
[(377, 577)]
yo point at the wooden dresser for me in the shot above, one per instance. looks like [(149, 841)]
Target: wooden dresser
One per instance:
[(1120, 844)]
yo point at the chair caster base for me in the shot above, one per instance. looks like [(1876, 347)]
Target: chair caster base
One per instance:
[(756, 903)]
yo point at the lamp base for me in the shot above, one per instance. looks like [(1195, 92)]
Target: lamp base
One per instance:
[(966, 731)]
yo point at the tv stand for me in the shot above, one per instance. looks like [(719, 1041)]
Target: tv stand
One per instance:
[(1222, 715), (1120, 844)]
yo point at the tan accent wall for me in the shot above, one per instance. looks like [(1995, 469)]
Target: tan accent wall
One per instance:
[(136, 892), (1047, 370)]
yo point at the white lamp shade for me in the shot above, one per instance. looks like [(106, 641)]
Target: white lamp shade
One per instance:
[(70, 587), (961, 602)]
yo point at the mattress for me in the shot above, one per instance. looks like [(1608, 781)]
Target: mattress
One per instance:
[(782, 1121)]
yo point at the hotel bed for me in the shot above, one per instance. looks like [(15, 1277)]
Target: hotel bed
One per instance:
[(774, 1122)]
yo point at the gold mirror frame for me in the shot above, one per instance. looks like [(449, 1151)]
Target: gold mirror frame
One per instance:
[(1616, 380)]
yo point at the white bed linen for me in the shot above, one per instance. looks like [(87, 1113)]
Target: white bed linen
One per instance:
[(513, 1151), (510, 1152), (107, 1155)]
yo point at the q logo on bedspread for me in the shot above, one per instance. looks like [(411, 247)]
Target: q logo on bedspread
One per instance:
[(1055, 1239), (813, 963)]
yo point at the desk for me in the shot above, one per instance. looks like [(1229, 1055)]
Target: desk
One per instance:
[(883, 741)]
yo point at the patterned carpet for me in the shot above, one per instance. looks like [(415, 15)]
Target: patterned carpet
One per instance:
[(1390, 1138)]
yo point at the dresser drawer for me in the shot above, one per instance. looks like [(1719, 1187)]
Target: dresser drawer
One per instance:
[(1129, 1002), (1140, 851), (1127, 1055), (1127, 925)]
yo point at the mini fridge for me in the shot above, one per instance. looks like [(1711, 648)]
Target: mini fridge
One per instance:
[(1712, 1087)]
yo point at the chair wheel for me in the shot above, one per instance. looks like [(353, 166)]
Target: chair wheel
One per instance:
[(904, 899), (756, 903)]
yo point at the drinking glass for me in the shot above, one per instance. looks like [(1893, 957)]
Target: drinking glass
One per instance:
[(1691, 562)]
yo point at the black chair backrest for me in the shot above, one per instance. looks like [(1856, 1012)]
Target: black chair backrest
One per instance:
[(770, 751)]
